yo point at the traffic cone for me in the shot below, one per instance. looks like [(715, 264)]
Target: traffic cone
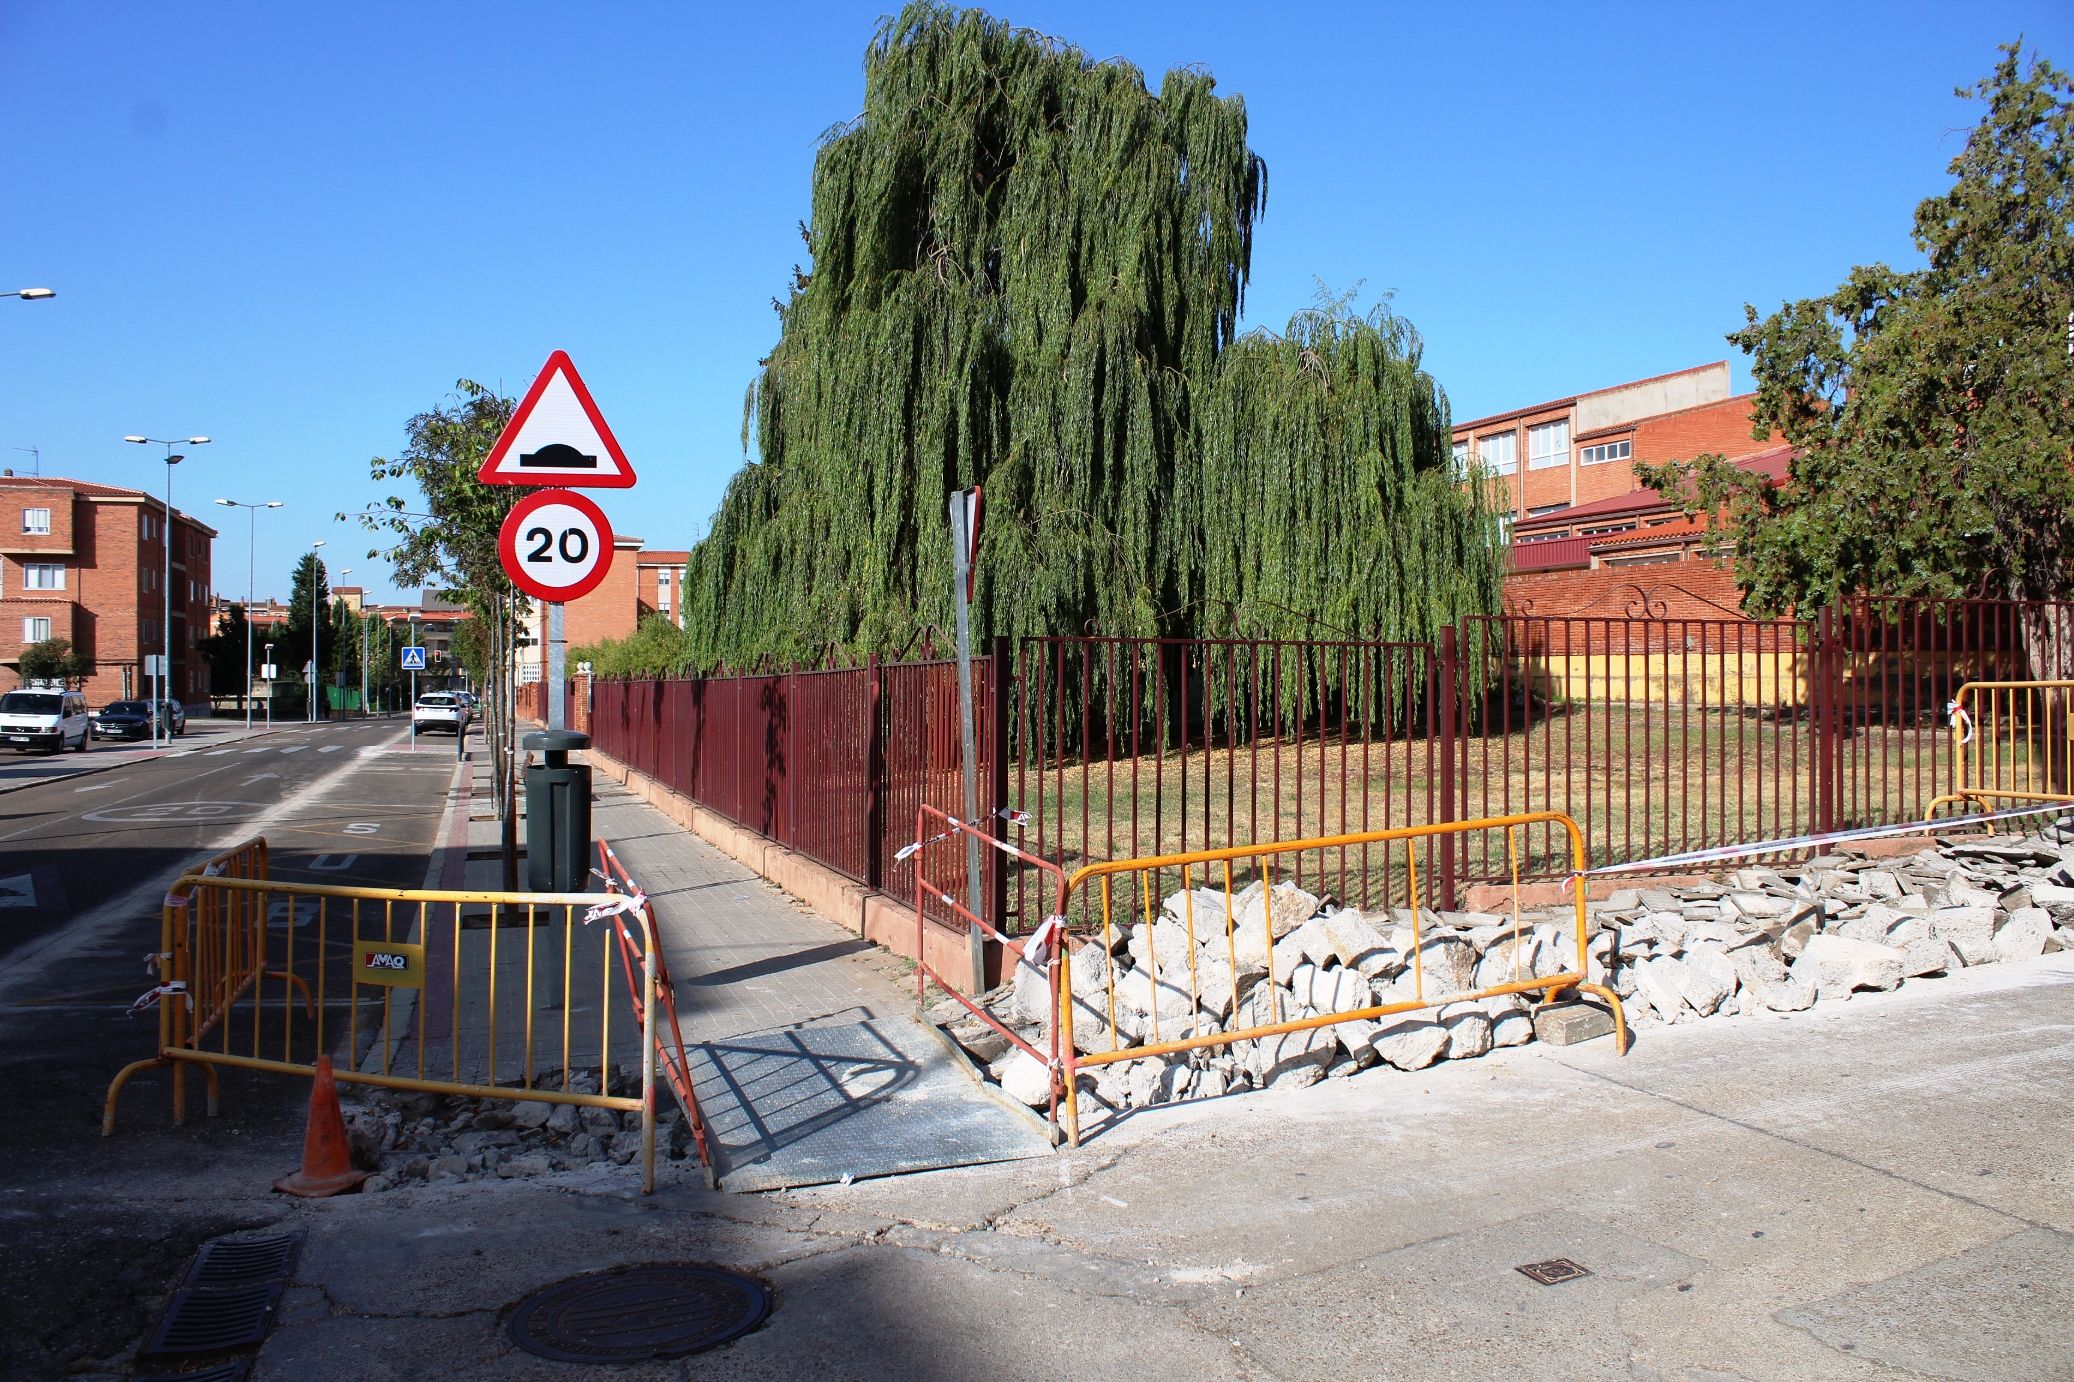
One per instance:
[(327, 1166)]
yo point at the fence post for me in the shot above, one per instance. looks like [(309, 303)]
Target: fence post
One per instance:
[(874, 780), (1822, 710), (1447, 693), (998, 702)]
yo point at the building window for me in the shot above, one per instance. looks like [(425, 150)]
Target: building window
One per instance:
[(1609, 528), (1461, 457), (43, 575), (1548, 446), (1643, 559), (35, 629), (662, 592), (1499, 452), (1605, 451), (36, 521)]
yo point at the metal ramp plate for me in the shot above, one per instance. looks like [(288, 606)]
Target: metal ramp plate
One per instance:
[(810, 1105)]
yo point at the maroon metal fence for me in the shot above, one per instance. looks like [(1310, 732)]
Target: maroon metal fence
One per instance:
[(829, 763), (1656, 734)]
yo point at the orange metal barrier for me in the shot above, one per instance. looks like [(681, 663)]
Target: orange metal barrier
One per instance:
[(1145, 1036), (676, 1064), (1039, 949), (438, 994), (2012, 741)]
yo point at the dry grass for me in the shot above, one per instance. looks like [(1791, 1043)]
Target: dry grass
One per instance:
[(1641, 782)]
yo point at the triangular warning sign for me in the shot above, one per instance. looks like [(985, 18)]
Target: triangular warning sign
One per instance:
[(557, 437)]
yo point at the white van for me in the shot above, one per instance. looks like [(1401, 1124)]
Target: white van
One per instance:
[(44, 718)]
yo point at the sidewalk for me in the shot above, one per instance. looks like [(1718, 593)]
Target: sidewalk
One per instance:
[(807, 1059)]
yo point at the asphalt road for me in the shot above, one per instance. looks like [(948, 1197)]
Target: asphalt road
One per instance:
[(87, 1222)]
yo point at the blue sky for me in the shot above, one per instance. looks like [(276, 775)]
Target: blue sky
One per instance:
[(291, 227)]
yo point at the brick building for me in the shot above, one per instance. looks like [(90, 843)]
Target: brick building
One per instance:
[(84, 562), (659, 581), (1582, 526)]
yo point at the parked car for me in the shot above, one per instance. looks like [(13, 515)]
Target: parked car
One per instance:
[(175, 717), (125, 720), (47, 719), (440, 710)]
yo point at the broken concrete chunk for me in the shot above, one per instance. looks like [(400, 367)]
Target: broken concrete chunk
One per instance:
[(1844, 965), (1410, 1042), (1566, 1024)]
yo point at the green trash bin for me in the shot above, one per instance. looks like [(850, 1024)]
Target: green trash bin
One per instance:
[(558, 814)]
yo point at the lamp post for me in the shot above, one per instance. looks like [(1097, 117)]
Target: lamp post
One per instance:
[(347, 571), (31, 294), (165, 665), (316, 633), (251, 585), (269, 664)]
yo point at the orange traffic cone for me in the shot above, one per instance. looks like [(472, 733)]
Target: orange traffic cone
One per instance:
[(327, 1167)]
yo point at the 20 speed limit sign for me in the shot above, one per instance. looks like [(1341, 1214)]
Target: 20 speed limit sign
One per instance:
[(556, 545)]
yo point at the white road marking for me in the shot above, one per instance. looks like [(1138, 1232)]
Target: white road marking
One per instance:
[(334, 863), (331, 748), (258, 777), (295, 748), (94, 787), (218, 753), (264, 748)]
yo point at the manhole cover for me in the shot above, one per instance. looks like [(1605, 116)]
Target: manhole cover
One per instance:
[(1555, 1271), (661, 1310)]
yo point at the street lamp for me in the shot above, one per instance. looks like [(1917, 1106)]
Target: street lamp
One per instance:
[(347, 571), (165, 666), (31, 294), (251, 585), (316, 632)]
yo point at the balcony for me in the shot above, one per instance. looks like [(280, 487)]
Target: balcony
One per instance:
[(1553, 554)]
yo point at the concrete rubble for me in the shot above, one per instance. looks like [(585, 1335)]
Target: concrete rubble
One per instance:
[(406, 1137), (1770, 939)]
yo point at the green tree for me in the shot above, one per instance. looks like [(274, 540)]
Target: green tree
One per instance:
[(471, 649), (308, 595), (1933, 408), (447, 540), (224, 651), (1027, 272), (54, 660)]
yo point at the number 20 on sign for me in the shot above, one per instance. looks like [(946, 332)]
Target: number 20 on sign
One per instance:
[(556, 545)]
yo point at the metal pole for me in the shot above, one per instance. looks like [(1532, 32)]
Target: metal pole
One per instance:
[(363, 661), (414, 688), (557, 654), (968, 748), (165, 663), (251, 585), (316, 637)]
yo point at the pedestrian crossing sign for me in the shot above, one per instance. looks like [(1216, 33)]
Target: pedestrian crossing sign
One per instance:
[(414, 659)]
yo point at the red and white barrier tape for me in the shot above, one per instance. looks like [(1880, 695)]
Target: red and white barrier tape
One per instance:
[(1869, 832), (152, 995), (629, 903)]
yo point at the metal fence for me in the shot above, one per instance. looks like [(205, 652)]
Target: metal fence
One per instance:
[(831, 763), (1656, 734)]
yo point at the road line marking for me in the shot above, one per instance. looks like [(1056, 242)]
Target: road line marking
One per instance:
[(218, 753)]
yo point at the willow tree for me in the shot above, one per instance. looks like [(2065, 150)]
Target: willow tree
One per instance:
[(1027, 272)]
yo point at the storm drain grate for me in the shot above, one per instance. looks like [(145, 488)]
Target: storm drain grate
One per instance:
[(236, 1370), (242, 1261), (657, 1310), (1554, 1272), (215, 1321)]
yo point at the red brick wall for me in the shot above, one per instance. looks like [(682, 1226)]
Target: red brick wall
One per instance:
[(1698, 589), (1722, 428)]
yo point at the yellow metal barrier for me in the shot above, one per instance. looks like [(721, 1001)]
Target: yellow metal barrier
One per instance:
[(2012, 741), (484, 994), (1217, 870)]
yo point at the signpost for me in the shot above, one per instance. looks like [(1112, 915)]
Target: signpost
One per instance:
[(413, 663), (556, 545), (964, 548)]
